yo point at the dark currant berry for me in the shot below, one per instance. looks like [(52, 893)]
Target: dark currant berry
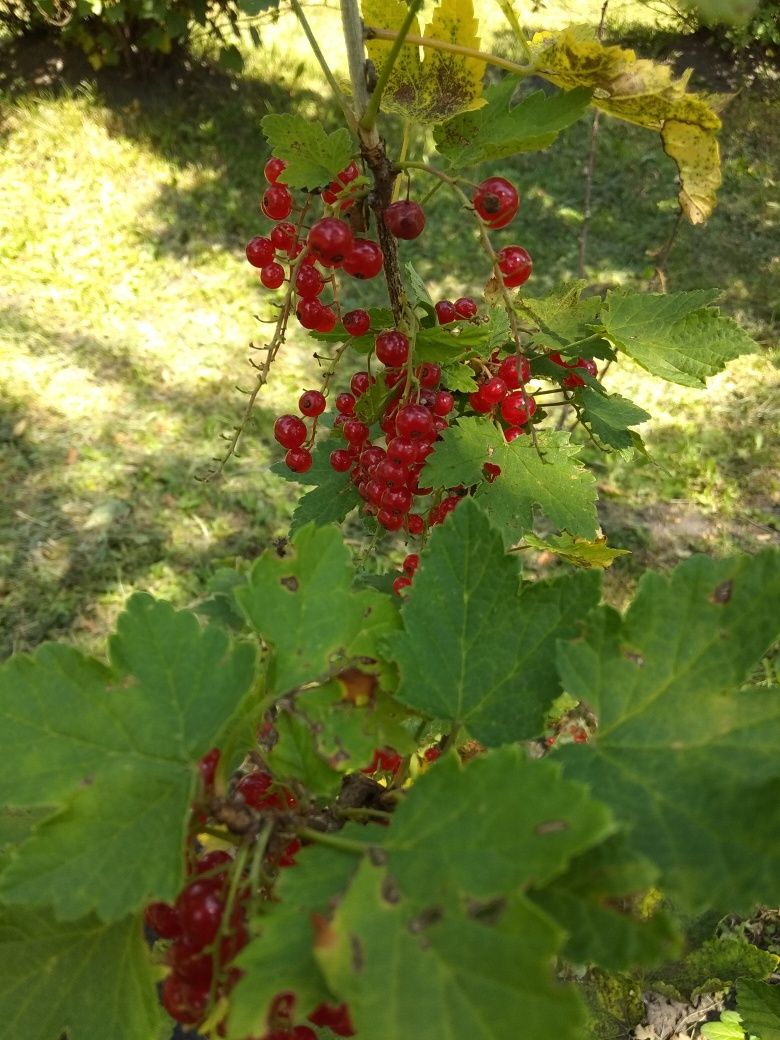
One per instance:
[(163, 919), (277, 202), (414, 422), (404, 220), (411, 563), (272, 276), (260, 251), (308, 312), (334, 1018), (290, 431), (283, 236), (515, 371), (345, 403), (355, 431), (212, 861), (330, 240), (572, 381), (517, 408), (465, 307), (340, 460), (183, 1002), (298, 460), (494, 390), (515, 265), (496, 201), (364, 260), (273, 168), (208, 768), (392, 348), (312, 403), (359, 383), (401, 583), (491, 471), (444, 403), (429, 375), (328, 320), (445, 312), (357, 322), (200, 912), (308, 283)]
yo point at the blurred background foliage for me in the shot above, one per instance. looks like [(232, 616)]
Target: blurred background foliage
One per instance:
[(127, 193)]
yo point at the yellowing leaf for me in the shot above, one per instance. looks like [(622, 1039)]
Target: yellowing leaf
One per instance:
[(696, 152), (579, 551), (441, 85), (648, 94)]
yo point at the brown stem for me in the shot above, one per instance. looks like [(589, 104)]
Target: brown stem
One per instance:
[(589, 169)]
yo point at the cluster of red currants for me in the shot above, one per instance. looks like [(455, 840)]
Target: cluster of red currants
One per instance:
[(572, 381)]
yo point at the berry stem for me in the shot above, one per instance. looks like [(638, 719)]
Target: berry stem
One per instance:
[(224, 922), (509, 13), (326, 70), (369, 117), (372, 33), (356, 848)]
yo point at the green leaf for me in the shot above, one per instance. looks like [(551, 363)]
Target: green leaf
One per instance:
[(591, 901), (313, 156), (320, 471), (87, 978), (418, 290), (458, 377), (578, 551), (732, 12), (304, 606), (295, 756), (497, 130), (759, 1005), (453, 838), (461, 453), (229, 59), (674, 336), (463, 339), (668, 676), (473, 652), (566, 322), (554, 480), (454, 976), (328, 503), (280, 956), (371, 405), (728, 1028), (715, 966), (609, 417), (114, 750)]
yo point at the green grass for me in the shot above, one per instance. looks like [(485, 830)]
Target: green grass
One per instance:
[(126, 312)]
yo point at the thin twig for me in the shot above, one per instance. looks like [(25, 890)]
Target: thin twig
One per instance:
[(326, 70), (372, 33), (368, 119)]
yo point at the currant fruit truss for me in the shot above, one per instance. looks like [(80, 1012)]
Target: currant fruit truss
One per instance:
[(333, 802)]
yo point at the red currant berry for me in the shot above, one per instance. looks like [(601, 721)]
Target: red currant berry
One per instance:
[(309, 312), (357, 322), (479, 404), (211, 861), (183, 1002), (404, 219), (273, 168), (494, 390), (208, 768), (465, 307), (517, 408), (355, 431), (308, 282), (397, 500), (290, 431), (411, 563), (330, 240), (334, 1018), (392, 348), (415, 523), (298, 460), (496, 202), (431, 754), (200, 911), (511, 433), (283, 236), (190, 964), (515, 265), (260, 251), (589, 365), (401, 583), (360, 383), (491, 471), (390, 521), (572, 381), (272, 276), (163, 919), (391, 474), (445, 312), (287, 857), (515, 371), (364, 260), (312, 403), (556, 359), (277, 202), (328, 320), (345, 403), (429, 375), (401, 450), (414, 422), (444, 403), (340, 460)]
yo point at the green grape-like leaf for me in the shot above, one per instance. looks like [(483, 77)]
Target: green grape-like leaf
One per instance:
[(114, 751), (456, 974), (475, 652), (668, 676), (676, 336), (86, 977), (461, 340), (304, 606), (498, 824), (458, 377), (565, 322), (497, 131), (280, 956), (759, 1005), (313, 156), (330, 502), (591, 901), (609, 417)]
